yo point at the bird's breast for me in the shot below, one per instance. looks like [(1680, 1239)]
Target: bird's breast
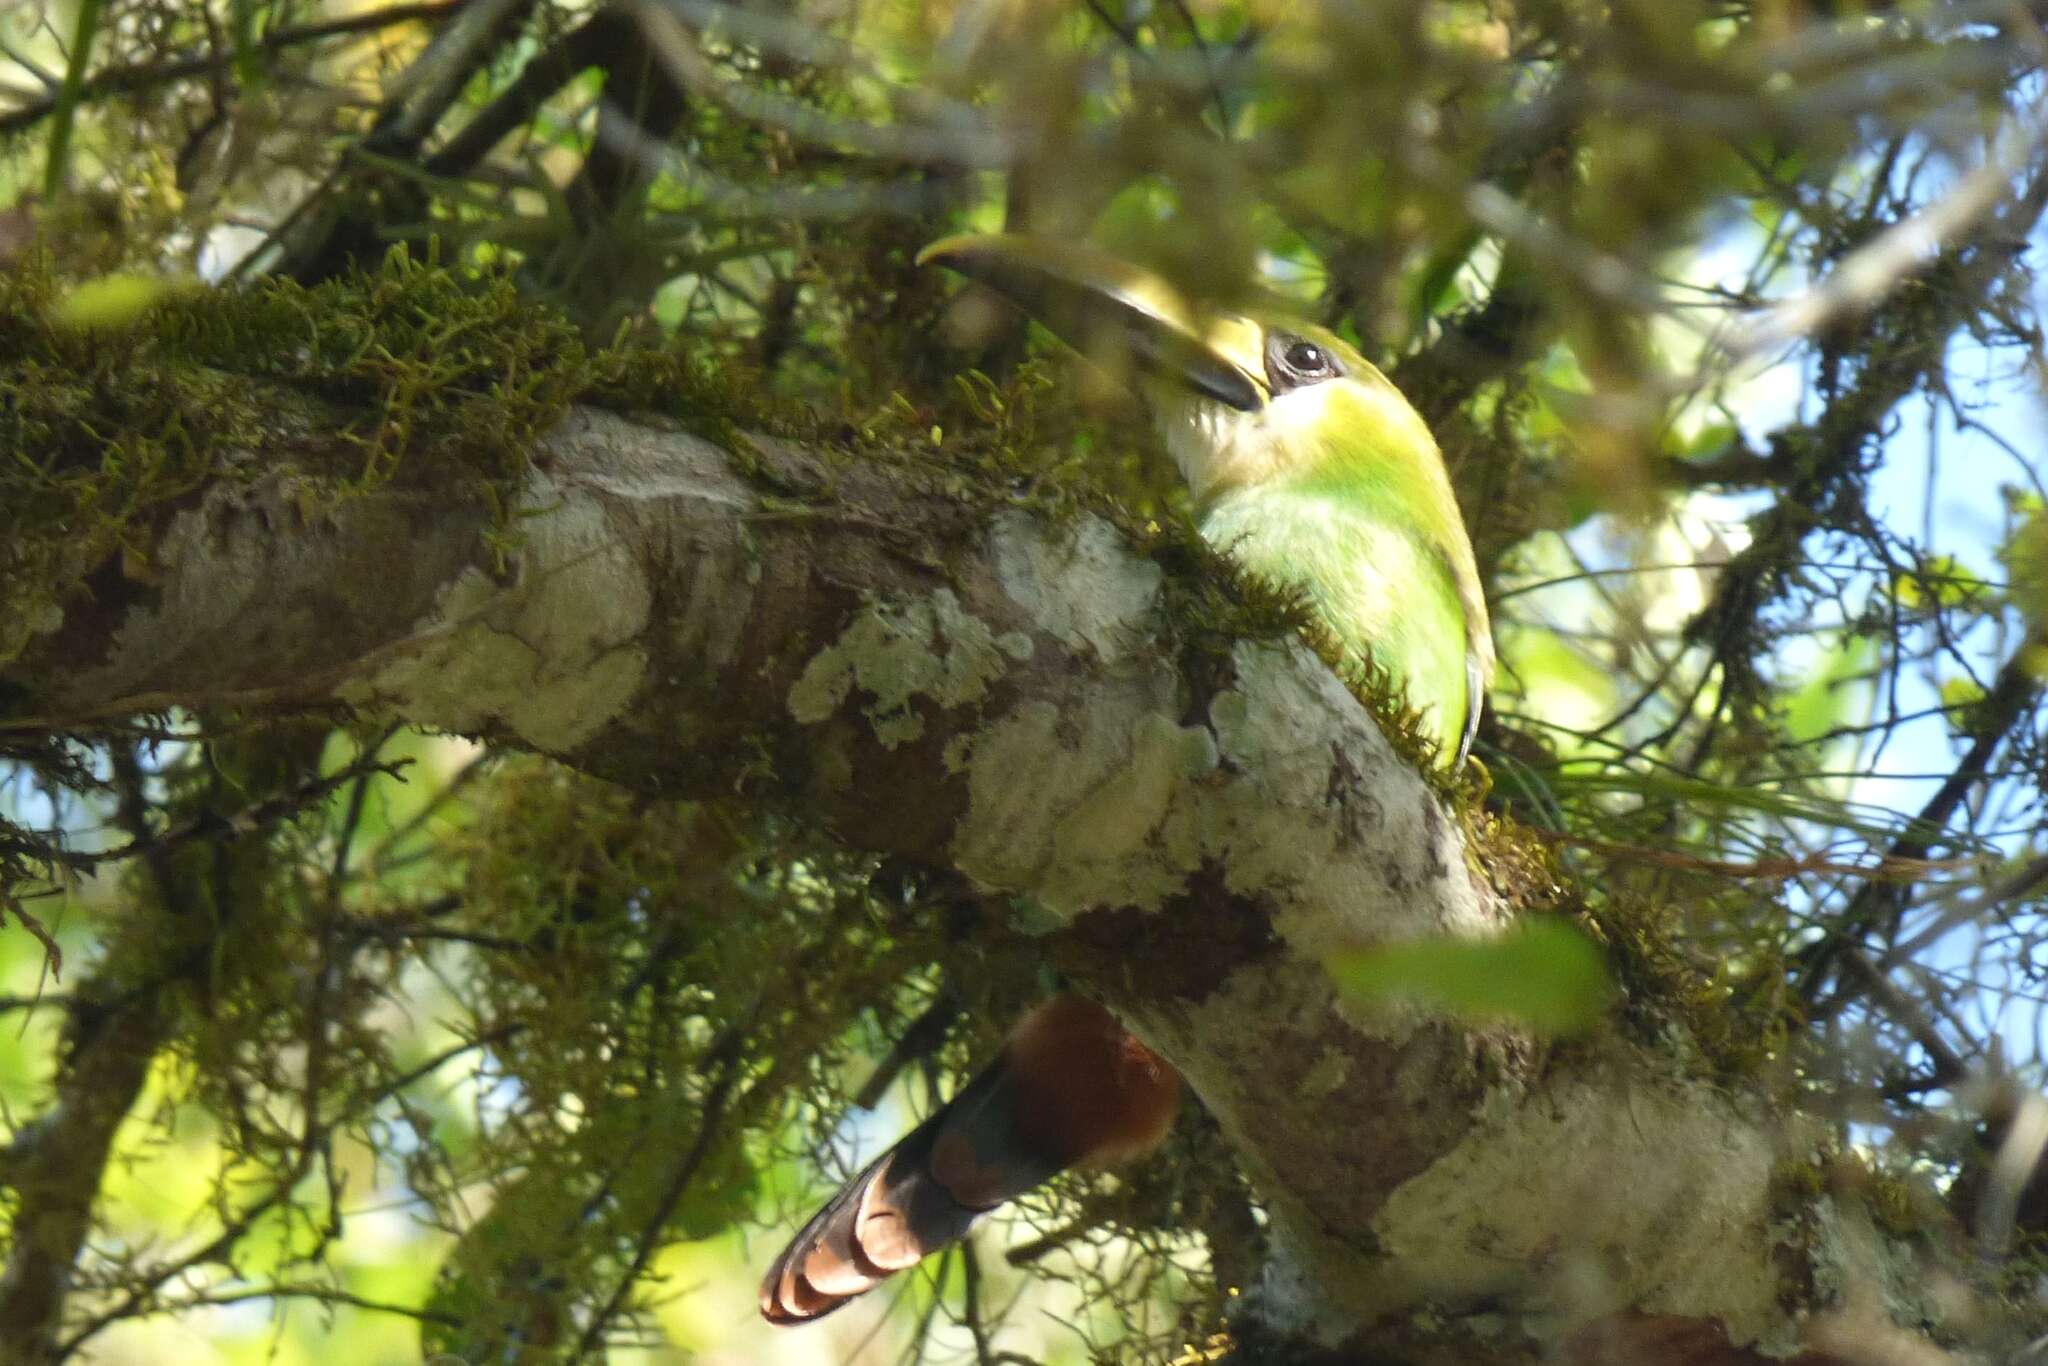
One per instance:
[(1376, 586)]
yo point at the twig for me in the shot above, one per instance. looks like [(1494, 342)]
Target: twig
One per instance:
[(212, 825), (126, 80), (1891, 867), (919, 1040), (1877, 905), (239, 1224), (1880, 265), (726, 1052), (53, 953)]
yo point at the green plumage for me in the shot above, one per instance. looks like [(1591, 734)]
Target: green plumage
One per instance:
[(1338, 488), (1304, 462), (1382, 591)]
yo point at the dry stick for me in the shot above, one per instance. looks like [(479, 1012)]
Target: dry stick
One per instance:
[(1877, 905), (218, 1249), (726, 1052), (1891, 867)]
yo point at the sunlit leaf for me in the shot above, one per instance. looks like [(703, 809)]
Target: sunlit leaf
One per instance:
[(1543, 974), (2026, 564), (1828, 695), (114, 300)]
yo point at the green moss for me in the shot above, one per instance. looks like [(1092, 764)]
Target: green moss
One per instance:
[(1899, 1207), (1797, 1181), (411, 374), (1902, 1204), (1739, 1019), (1734, 1013)]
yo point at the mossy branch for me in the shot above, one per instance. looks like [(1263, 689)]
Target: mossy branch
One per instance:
[(928, 659)]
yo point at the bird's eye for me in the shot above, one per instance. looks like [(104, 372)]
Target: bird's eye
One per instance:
[(1292, 362), (1307, 357)]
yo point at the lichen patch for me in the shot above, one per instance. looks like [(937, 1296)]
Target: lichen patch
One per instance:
[(1304, 811), (675, 495), (1515, 1211), (1083, 587), (1132, 804), (1117, 804), (897, 652), (552, 657), (1124, 841)]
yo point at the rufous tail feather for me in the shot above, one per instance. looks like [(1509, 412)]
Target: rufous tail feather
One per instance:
[(1071, 1086)]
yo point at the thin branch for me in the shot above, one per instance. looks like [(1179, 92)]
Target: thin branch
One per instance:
[(919, 1040), (1877, 905), (132, 80), (1878, 267), (1891, 868), (211, 825), (726, 1054), (238, 1225)]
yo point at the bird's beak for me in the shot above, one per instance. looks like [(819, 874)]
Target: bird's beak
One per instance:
[(1113, 311)]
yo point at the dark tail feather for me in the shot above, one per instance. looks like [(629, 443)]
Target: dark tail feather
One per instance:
[(822, 1268), (922, 1195), (1070, 1085)]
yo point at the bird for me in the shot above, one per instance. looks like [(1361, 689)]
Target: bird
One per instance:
[(1308, 467), (1303, 462)]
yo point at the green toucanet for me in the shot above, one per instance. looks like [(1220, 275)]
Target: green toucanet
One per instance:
[(1309, 468)]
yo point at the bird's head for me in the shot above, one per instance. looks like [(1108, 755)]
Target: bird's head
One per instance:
[(1241, 400)]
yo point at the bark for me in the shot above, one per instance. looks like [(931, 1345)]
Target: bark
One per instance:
[(997, 693), (54, 1168)]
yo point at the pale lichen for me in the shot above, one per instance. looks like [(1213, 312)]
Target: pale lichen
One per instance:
[(1287, 816), (1011, 837), (1516, 1211), (552, 657), (896, 653), (1081, 586), (1326, 823)]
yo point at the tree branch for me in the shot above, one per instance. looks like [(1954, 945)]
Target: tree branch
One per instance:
[(54, 1167), (954, 681)]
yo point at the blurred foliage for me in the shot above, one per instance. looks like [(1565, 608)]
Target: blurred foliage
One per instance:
[(1543, 975), (378, 1038)]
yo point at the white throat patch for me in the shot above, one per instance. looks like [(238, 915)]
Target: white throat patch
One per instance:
[(1219, 448)]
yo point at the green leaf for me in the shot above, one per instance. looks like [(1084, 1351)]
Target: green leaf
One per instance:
[(1838, 686), (1959, 693), (2026, 564), (1543, 974), (1941, 582), (114, 300), (249, 67)]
